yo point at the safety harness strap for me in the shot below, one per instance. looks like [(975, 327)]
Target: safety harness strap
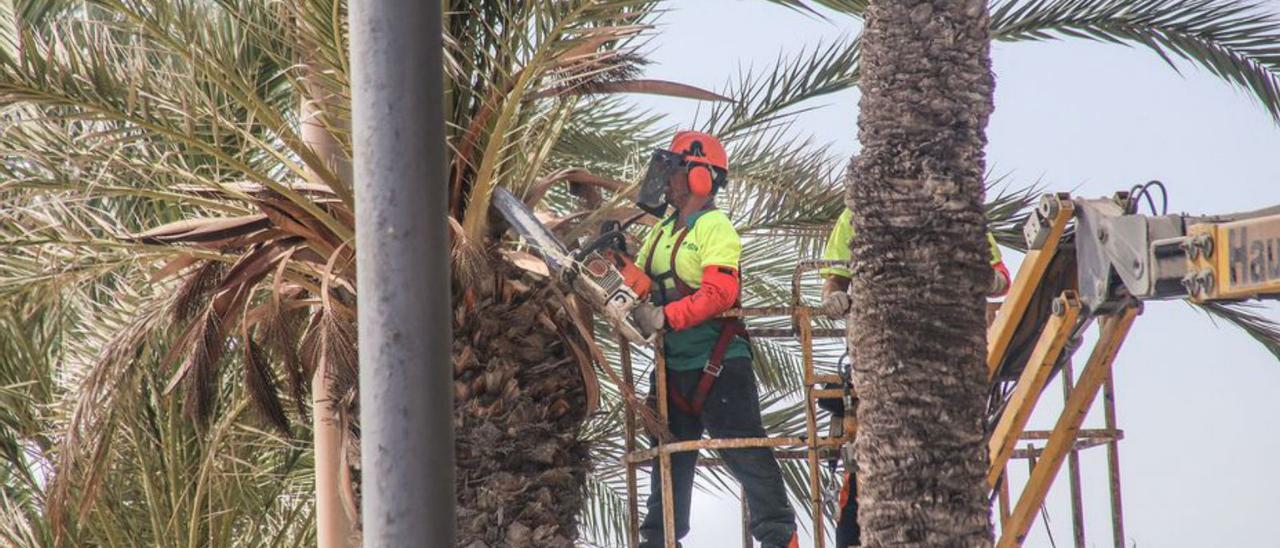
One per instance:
[(729, 327), (693, 405), (682, 288)]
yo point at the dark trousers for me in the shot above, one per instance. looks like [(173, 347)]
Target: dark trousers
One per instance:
[(847, 531), (732, 410)]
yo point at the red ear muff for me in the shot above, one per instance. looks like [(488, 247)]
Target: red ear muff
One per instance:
[(700, 180)]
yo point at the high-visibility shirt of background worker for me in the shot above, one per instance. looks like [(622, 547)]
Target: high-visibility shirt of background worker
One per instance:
[(841, 238)]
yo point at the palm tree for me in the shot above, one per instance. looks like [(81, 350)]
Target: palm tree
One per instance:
[(97, 113), (916, 196)]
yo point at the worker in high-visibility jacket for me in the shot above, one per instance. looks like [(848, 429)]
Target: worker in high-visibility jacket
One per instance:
[(692, 257), (835, 304)]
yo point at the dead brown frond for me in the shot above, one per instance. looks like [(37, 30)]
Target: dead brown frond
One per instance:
[(471, 268), (339, 361), (254, 266), (337, 355), (287, 215), (585, 367), (91, 427), (199, 370), (253, 189), (204, 230), (188, 300), (202, 348), (174, 266), (645, 86), (582, 183), (288, 219), (648, 418), (281, 328), (260, 384)]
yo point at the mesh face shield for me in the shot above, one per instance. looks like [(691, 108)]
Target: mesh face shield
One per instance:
[(653, 188)]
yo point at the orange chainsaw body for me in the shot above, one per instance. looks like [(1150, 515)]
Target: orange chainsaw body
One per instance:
[(632, 275)]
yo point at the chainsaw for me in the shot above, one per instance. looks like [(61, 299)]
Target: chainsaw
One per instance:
[(599, 271)]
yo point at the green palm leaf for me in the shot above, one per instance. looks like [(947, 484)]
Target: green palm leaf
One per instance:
[(1249, 318), (1236, 41)]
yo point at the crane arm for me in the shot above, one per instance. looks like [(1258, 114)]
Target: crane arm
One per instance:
[(1157, 257)]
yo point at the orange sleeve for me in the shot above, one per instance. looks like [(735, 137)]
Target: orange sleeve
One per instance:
[(1003, 271), (718, 292)]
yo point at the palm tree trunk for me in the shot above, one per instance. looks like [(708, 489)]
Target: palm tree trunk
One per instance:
[(519, 406), (334, 527), (919, 273)]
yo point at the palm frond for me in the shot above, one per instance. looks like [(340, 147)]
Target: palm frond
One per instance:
[(609, 139), (120, 118), (214, 119), (783, 182), (1008, 211), (1236, 41), (561, 48), (605, 518), (769, 98), (1247, 317)]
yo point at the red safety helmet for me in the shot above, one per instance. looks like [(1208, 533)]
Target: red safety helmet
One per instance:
[(708, 163), (698, 154)]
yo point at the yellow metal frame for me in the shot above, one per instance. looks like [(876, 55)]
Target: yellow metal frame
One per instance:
[(1034, 377), (1030, 273), (1064, 434), (1235, 260), (1017, 516)]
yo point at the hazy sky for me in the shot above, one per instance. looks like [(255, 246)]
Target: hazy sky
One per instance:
[(1198, 403)]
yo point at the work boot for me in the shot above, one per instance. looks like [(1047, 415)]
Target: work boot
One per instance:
[(793, 543)]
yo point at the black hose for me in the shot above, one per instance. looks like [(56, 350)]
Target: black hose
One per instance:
[(1144, 191), (1164, 196)]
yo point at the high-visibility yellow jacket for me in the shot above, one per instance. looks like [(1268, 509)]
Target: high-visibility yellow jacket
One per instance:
[(842, 235)]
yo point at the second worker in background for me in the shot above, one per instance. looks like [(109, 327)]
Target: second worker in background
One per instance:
[(835, 304)]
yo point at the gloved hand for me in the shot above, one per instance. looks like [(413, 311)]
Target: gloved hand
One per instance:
[(848, 457), (649, 318), (835, 304)]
